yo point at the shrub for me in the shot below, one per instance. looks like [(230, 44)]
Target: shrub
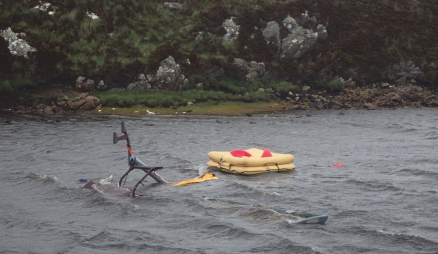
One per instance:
[(336, 84), (284, 87), (13, 85)]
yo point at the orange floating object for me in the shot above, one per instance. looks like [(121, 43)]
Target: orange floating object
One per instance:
[(205, 177), (338, 165)]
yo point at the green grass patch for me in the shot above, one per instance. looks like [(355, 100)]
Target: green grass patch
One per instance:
[(170, 99), (336, 85), (13, 85)]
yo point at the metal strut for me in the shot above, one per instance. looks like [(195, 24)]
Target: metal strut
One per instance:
[(147, 170), (135, 163)]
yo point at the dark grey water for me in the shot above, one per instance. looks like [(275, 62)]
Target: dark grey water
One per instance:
[(384, 201)]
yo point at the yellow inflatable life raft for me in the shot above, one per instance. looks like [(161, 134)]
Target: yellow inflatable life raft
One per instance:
[(251, 161), (226, 167), (251, 158)]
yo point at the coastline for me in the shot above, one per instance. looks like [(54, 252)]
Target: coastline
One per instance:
[(374, 97)]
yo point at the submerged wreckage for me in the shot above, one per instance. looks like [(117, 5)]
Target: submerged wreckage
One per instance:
[(239, 157)]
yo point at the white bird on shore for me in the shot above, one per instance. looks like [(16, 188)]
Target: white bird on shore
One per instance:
[(150, 113)]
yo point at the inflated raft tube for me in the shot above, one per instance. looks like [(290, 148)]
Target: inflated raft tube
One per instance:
[(256, 158), (227, 167)]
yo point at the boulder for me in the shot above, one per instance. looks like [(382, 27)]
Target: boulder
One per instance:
[(45, 7), (17, 46), (322, 32), (84, 85), (370, 106), (349, 83), (232, 30), (199, 37), (139, 85), (298, 43), (91, 15), (249, 71), (290, 23), (168, 76), (335, 104), (406, 70), (412, 93), (305, 88), (300, 40), (84, 104), (272, 34), (48, 110), (91, 103), (101, 86)]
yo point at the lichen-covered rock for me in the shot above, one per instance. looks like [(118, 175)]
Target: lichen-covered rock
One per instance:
[(17, 46), (290, 23), (101, 86), (322, 32), (412, 93), (249, 71), (298, 43), (199, 37), (168, 76), (83, 104), (232, 30), (406, 70), (139, 85), (300, 40), (91, 15), (272, 34), (84, 85), (44, 7)]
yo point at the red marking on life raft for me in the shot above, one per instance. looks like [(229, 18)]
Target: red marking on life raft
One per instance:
[(338, 165), (266, 153), (240, 153)]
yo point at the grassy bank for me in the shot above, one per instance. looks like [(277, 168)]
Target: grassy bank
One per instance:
[(202, 108)]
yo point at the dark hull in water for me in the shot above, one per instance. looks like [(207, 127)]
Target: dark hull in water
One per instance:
[(107, 189), (308, 218)]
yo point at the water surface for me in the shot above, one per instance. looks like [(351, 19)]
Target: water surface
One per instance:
[(384, 201)]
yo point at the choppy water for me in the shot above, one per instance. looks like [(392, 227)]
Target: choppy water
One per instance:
[(384, 201)]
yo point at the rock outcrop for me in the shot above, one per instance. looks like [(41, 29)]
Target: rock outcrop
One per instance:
[(45, 7), (141, 84), (249, 71), (299, 40), (63, 103), (290, 23), (17, 46), (232, 30), (407, 71), (168, 76), (272, 34), (84, 85), (101, 86)]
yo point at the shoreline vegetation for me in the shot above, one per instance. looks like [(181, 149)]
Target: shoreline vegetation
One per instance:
[(205, 57), (383, 96)]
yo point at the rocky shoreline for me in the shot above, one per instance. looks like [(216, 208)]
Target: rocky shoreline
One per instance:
[(378, 96), (70, 102), (374, 97)]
